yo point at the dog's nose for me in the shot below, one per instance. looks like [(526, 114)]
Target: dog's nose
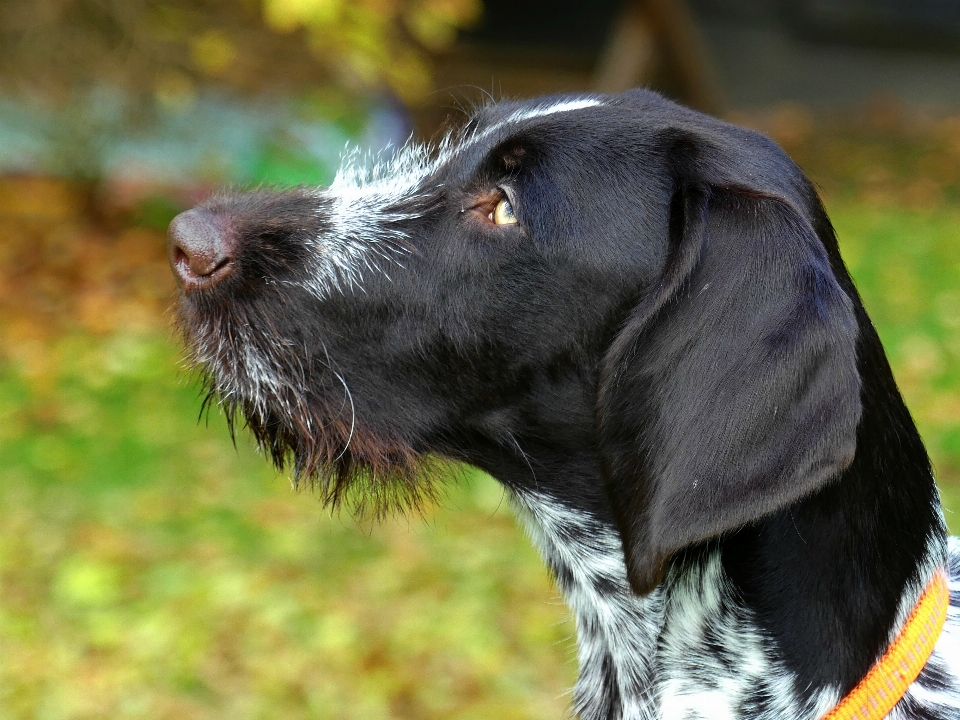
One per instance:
[(201, 249)]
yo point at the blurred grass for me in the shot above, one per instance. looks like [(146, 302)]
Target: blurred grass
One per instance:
[(149, 570), (906, 264)]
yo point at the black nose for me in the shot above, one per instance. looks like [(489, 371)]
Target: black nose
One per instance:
[(201, 249)]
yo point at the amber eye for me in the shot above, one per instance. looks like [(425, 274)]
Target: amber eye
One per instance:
[(503, 213)]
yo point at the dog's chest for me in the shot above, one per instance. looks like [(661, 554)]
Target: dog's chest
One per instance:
[(686, 651), (616, 630)]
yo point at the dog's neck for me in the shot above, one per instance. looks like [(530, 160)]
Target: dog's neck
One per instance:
[(687, 649), (697, 647), (779, 619)]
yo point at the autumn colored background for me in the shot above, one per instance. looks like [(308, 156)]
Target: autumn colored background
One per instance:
[(149, 569)]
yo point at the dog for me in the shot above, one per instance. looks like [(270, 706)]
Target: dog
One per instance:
[(637, 319)]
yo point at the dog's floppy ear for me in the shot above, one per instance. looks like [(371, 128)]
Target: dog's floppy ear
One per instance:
[(732, 389)]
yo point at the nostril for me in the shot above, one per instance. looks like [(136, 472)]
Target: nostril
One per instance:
[(221, 265), (200, 248), (179, 257)]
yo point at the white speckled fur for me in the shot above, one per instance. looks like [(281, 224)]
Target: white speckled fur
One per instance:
[(927, 698), (247, 366), (616, 630), (367, 195), (236, 364), (640, 658), (644, 658)]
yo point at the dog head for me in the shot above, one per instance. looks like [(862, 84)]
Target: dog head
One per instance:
[(662, 281)]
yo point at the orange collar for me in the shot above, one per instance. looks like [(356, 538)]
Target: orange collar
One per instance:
[(874, 697)]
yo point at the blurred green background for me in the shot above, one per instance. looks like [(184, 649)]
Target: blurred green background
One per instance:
[(149, 569)]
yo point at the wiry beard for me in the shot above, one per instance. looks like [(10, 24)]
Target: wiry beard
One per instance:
[(301, 413)]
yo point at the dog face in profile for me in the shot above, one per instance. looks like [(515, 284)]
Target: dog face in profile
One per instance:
[(630, 314), (517, 283)]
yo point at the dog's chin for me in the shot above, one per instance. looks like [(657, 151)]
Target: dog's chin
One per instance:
[(304, 421), (344, 463), (332, 454)]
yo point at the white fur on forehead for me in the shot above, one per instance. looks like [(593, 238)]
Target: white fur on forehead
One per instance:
[(535, 111), (649, 656)]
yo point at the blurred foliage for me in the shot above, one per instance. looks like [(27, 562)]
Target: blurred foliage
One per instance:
[(149, 570), (907, 266), (92, 89), (882, 155), (166, 49)]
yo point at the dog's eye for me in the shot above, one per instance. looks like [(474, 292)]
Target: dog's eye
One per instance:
[(503, 213)]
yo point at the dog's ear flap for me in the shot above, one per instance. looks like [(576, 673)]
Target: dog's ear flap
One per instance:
[(732, 389)]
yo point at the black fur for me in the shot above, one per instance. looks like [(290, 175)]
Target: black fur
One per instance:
[(667, 340)]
